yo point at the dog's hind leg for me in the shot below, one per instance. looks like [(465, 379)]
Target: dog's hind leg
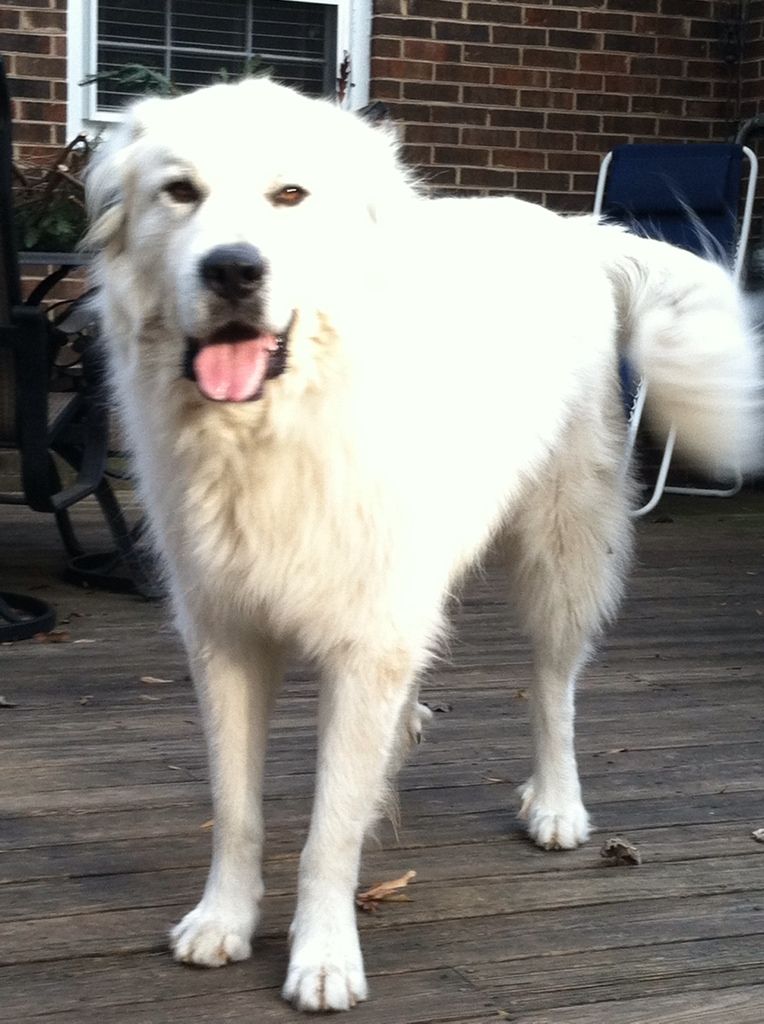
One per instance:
[(363, 699), (236, 683), (568, 549)]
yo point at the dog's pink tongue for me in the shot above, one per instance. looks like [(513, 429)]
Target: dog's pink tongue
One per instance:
[(233, 371)]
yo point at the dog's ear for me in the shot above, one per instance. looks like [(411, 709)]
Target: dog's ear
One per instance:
[(392, 182), (105, 184)]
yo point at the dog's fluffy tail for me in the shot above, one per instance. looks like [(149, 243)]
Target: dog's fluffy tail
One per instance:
[(684, 329)]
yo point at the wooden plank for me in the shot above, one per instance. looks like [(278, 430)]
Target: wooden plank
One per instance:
[(608, 975), (741, 1005), (171, 992)]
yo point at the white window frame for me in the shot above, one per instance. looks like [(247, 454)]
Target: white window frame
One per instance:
[(353, 38)]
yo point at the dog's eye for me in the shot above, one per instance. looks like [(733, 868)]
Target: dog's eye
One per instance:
[(182, 190), (288, 195)]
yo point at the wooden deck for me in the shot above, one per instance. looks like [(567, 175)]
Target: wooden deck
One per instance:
[(106, 831)]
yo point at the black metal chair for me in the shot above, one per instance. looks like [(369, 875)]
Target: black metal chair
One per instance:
[(42, 424)]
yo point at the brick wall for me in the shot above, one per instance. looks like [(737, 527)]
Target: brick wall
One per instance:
[(33, 45), (526, 97), (752, 74)]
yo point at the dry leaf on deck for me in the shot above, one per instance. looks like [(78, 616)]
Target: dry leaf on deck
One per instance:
[(620, 851), (438, 705), (384, 892), (5, 703), (207, 824), (758, 835), (56, 636), (152, 680), (146, 696)]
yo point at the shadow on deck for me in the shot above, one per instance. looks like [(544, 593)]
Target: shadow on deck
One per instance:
[(106, 830)]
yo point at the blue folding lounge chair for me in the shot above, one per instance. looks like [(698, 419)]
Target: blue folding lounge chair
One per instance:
[(688, 194)]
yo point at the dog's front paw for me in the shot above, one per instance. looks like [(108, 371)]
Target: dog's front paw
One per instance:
[(555, 821), (210, 937), (326, 972)]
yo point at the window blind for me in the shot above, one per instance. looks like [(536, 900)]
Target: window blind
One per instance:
[(195, 42)]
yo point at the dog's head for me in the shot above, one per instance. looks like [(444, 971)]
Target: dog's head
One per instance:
[(225, 216)]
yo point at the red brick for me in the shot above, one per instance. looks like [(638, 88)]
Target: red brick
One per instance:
[(416, 154), (488, 178), (451, 9), (420, 49), (550, 16), (39, 67), (462, 156), (437, 134), (667, 27), (544, 180), (564, 59), (530, 77), (462, 31), (658, 66), (572, 161), (491, 54), (503, 13), (49, 21), (385, 89), (24, 132), (517, 118), (575, 81), (615, 62), (682, 47), (600, 101), (462, 73), (30, 88), (575, 40), (519, 159), (546, 99), (431, 92), (398, 27), (46, 112), (9, 19), (684, 87), (545, 140), (607, 21), (487, 94), (574, 122), (515, 35), (656, 105), (383, 67), (381, 46), (460, 114), (23, 42), (630, 43), (489, 137), (629, 123), (631, 84)]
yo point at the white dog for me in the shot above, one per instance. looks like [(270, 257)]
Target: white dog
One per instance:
[(337, 394)]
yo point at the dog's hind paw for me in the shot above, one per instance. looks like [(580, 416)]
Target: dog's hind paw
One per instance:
[(419, 715), (210, 939), (554, 822)]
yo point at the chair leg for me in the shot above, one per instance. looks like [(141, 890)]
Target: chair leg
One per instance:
[(140, 566)]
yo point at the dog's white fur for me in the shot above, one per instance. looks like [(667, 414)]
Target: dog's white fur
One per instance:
[(452, 380)]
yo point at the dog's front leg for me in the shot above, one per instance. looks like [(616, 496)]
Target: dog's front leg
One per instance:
[(358, 721), (236, 682)]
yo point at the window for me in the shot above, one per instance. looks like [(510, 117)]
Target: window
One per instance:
[(194, 42)]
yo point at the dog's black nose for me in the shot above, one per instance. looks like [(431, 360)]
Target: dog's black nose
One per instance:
[(232, 271)]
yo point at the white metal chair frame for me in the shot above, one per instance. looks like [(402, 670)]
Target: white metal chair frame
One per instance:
[(635, 415)]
